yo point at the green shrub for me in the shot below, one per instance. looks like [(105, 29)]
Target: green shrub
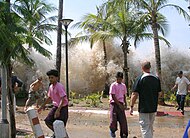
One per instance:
[(187, 103), (94, 99), (170, 97), (76, 101)]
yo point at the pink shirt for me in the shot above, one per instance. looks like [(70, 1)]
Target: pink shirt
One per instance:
[(56, 92), (119, 90)]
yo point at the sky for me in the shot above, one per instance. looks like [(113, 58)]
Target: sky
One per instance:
[(178, 30)]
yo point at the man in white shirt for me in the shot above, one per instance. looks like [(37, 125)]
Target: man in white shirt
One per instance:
[(183, 85)]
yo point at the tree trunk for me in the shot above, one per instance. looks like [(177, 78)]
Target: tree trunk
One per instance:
[(59, 32), (107, 83), (157, 58), (11, 103), (105, 56), (10, 94), (157, 51), (125, 47)]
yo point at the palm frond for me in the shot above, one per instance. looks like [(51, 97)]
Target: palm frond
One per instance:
[(180, 10), (37, 46), (165, 40)]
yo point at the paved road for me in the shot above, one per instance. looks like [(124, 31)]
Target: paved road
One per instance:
[(95, 124)]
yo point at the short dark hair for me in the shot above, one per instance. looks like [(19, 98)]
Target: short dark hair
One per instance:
[(146, 65), (53, 72), (180, 72), (119, 75)]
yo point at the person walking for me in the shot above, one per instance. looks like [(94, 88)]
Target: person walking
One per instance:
[(147, 87), (183, 85), (56, 94), (34, 92), (117, 95)]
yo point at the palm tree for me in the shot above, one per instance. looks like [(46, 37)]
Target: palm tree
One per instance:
[(123, 25), (25, 24), (150, 13), (34, 15), (59, 32), (11, 43), (150, 10), (92, 26)]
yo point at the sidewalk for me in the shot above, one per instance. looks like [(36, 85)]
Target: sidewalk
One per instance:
[(94, 123)]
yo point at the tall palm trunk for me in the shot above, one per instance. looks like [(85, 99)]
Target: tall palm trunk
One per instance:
[(157, 50), (105, 56), (157, 56), (105, 62), (107, 84), (59, 32), (125, 46)]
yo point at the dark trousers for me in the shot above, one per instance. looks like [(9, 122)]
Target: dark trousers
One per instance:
[(181, 101), (63, 116), (116, 114)]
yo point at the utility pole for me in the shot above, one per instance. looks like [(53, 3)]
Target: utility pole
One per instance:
[(4, 124)]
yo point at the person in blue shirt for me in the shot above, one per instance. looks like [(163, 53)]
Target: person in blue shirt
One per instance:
[(187, 131), (16, 83)]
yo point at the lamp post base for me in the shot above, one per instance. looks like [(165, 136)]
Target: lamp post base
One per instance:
[(4, 129)]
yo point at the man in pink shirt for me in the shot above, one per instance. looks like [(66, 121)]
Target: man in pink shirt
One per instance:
[(57, 95), (117, 107)]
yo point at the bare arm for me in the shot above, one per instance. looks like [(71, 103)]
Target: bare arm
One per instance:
[(175, 86), (159, 94), (48, 100), (32, 84), (57, 113), (189, 88), (134, 97), (61, 104), (19, 82), (125, 101), (117, 102)]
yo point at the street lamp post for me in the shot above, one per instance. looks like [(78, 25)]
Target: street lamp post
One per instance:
[(66, 23)]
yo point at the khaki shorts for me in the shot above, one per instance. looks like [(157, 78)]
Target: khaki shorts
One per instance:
[(33, 95)]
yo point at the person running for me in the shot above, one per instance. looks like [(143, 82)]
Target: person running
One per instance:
[(34, 94), (57, 94), (182, 84), (147, 87), (118, 105)]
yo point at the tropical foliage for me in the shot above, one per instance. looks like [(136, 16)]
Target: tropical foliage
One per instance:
[(24, 24), (150, 12), (122, 20)]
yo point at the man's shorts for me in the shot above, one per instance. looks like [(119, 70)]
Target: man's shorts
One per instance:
[(33, 95)]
